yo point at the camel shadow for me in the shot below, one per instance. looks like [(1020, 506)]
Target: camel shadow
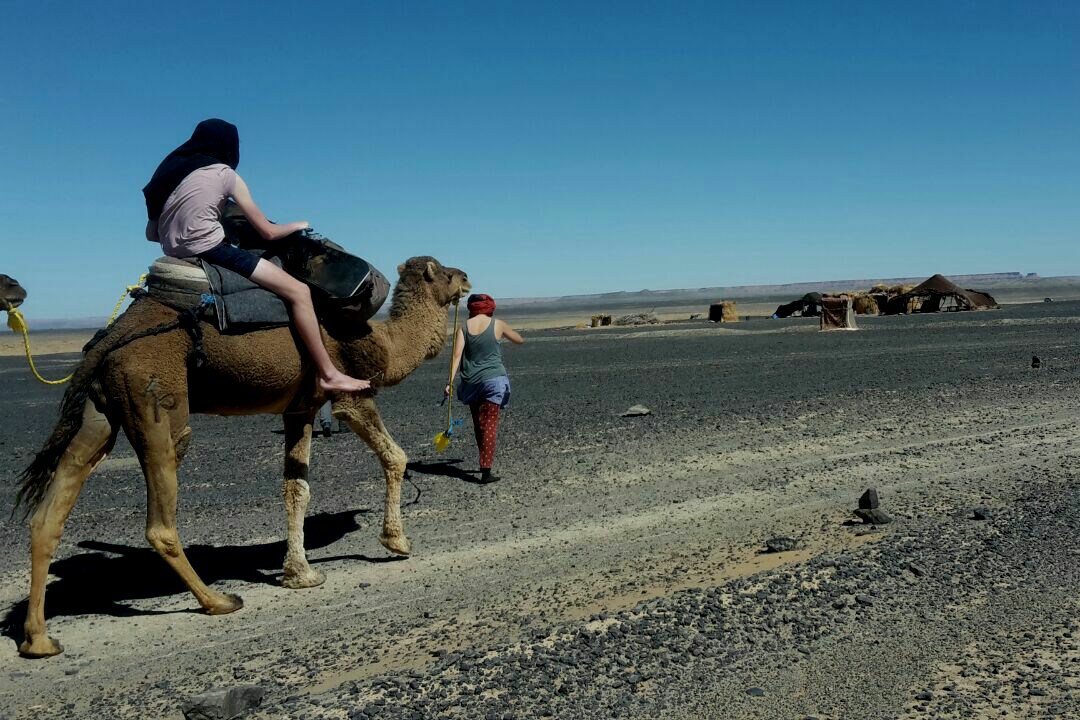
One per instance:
[(442, 468), (101, 580)]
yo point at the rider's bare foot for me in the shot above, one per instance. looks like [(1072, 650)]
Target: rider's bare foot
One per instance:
[(342, 383)]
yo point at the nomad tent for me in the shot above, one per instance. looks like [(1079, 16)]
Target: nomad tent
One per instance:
[(939, 294), (809, 305)]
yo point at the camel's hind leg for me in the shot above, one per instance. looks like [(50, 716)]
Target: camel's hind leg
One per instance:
[(363, 417), (149, 430), (88, 448), (298, 573)]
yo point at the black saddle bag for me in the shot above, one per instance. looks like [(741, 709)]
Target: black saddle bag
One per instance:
[(343, 285)]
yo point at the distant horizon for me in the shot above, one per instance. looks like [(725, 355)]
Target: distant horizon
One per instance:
[(95, 321)]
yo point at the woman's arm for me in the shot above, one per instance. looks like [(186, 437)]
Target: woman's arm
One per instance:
[(459, 348), (266, 229), (502, 330)]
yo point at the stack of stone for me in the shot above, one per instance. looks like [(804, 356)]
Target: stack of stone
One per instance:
[(869, 510)]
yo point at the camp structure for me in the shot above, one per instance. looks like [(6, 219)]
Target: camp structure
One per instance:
[(837, 313), (641, 318), (865, 304), (809, 305), (938, 294), (600, 320), (723, 311)]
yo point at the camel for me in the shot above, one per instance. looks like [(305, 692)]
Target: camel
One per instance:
[(136, 378), (11, 293)]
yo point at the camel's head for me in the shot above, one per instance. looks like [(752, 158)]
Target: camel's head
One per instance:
[(11, 293), (427, 275)]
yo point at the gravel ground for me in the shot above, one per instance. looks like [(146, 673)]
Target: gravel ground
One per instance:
[(615, 571)]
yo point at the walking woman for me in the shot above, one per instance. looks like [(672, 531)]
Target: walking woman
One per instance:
[(484, 385), (184, 201)]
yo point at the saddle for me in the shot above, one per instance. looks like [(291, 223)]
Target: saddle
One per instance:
[(344, 287)]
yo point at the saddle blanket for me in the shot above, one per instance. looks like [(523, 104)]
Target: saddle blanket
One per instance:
[(235, 304)]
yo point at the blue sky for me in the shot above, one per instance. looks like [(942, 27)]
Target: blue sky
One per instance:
[(555, 148)]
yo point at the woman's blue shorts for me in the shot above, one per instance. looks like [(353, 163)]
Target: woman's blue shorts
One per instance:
[(232, 258)]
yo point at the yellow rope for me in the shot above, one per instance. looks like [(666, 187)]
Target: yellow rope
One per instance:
[(127, 291), (442, 440), (17, 322), (450, 377)]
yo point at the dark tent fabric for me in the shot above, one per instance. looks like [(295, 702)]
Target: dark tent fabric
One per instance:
[(939, 294), (837, 313), (982, 299), (809, 305)]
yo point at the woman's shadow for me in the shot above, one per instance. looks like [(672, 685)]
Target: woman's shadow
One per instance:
[(100, 581)]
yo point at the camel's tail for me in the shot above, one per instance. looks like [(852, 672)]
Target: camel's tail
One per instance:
[(34, 480)]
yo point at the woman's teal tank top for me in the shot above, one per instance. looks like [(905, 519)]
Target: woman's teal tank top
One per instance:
[(482, 358)]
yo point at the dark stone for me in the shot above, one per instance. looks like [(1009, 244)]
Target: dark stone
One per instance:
[(781, 544), (864, 600), (981, 513), (755, 692), (925, 695), (223, 704), (869, 500), (874, 517)]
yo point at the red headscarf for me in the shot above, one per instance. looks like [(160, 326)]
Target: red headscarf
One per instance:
[(481, 304)]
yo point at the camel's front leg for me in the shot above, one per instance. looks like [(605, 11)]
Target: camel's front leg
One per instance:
[(298, 573), (363, 417)]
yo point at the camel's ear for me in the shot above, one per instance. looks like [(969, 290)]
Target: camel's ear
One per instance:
[(401, 268), (429, 271)]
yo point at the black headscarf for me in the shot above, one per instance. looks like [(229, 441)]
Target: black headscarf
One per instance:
[(214, 141)]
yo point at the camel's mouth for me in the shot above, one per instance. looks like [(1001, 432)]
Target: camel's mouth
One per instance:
[(12, 293)]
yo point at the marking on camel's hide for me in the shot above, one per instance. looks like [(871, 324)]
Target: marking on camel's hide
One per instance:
[(166, 401)]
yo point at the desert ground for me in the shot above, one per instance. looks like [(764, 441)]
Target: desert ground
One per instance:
[(617, 570)]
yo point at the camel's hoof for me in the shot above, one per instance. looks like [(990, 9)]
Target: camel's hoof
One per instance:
[(40, 648), (306, 579), (231, 603), (397, 545)]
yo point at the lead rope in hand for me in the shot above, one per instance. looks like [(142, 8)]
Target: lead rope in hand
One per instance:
[(17, 322), (450, 373), (442, 440)]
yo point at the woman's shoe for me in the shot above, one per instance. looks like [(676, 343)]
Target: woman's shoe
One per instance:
[(486, 476)]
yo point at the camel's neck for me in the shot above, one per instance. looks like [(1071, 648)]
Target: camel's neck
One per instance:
[(416, 334)]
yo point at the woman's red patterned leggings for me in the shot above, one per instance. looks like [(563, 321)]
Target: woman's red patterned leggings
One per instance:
[(485, 421)]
